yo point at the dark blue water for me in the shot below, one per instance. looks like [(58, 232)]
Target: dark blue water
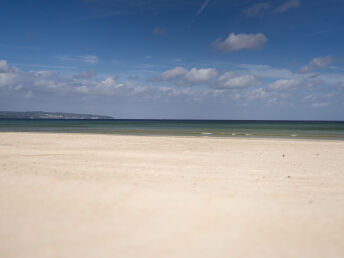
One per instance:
[(217, 128)]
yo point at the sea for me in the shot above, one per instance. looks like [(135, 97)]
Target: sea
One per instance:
[(201, 128)]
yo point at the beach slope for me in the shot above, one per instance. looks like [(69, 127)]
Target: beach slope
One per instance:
[(79, 195)]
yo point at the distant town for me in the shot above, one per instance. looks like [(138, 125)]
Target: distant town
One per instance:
[(48, 115)]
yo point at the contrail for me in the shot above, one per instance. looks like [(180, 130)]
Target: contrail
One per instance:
[(200, 10)]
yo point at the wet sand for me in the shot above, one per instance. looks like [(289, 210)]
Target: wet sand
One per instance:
[(79, 195)]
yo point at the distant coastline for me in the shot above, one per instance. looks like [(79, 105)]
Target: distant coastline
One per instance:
[(48, 115)]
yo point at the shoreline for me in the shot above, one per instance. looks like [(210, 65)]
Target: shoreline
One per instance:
[(199, 135)]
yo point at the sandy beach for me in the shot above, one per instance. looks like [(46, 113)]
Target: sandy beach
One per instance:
[(79, 195)]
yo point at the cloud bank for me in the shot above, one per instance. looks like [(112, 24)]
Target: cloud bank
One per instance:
[(241, 87)]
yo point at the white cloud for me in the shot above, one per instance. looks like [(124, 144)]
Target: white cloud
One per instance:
[(108, 86), (236, 42), (4, 68), (317, 63), (185, 77), (257, 9), (259, 93), (8, 75), (231, 80), (285, 84), (195, 75), (7, 79), (31, 81), (171, 74), (82, 89), (148, 57), (287, 5), (86, 74), (46, 83), (88, 59)]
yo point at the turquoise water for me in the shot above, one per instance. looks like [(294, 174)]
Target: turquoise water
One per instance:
[(210, 128)]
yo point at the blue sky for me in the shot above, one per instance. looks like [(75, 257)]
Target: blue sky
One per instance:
[(206, 59)]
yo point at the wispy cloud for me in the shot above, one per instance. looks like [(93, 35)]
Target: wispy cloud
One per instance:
[(170, 74), (235, 42), (266, 71), (88, 59), (320, 32), (19, 47), (320, 105), (252, 66), (46, 66), (337, 68), (287, 5), (317, 63), (258, 9)]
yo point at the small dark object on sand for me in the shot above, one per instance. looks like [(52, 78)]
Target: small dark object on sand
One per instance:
[(289, 176), (283, 155)]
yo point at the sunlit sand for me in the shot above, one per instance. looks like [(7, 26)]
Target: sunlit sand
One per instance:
[(78, 195)]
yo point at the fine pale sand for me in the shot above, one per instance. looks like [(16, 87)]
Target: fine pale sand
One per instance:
[(74, 195)]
